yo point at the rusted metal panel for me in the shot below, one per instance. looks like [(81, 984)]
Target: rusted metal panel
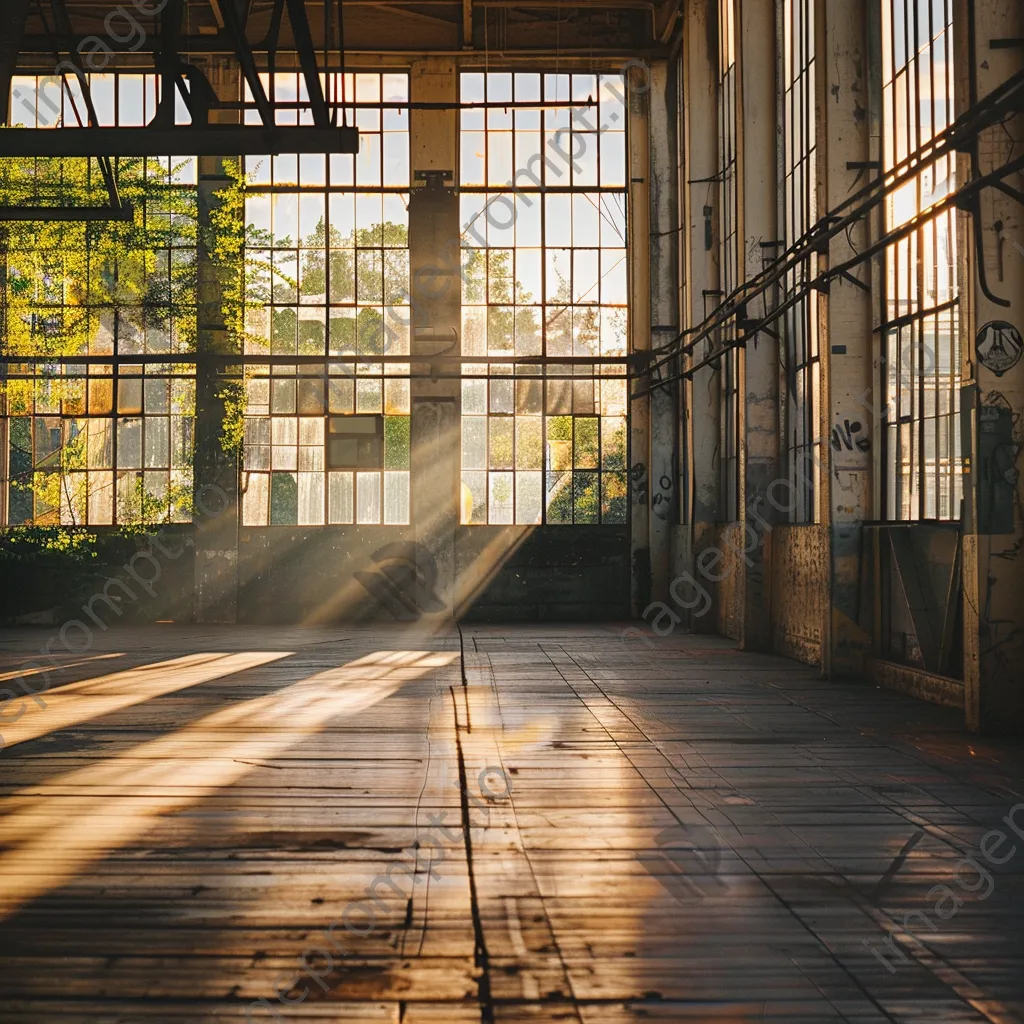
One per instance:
[(800, 588), (728, 591), (920, 612), (917, 683)]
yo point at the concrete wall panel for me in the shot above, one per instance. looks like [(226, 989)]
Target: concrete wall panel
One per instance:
[(799, 586), (728, 591)]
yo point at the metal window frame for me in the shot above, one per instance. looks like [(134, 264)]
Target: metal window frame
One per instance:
[(798, 25), (729, 240), (545, 361), (142, 365), (916, 486), (328, 367)]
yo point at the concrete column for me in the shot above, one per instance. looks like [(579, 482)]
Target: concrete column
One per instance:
[(639, 232), (702, 276), (847, 345), (4, 422), (664, 266), (436, 296), (993, 394), (216, 471), (759, 360)]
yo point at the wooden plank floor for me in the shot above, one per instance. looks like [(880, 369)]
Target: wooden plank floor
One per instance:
[(687, 834)]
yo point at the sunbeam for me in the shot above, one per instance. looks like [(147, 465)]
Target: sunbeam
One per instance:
[(90, 698), (57, 828)]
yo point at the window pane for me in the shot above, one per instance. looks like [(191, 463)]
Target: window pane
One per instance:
[(396, 498), (537, 282), (368, 497), (341, 498)]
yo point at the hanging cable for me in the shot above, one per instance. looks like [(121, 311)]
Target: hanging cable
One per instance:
[(987, 113)]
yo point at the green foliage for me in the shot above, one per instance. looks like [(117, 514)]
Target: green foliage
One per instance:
[(225, 245), (560, 428), (396, 442), (25, 544), (70, 285), (232, 435), (577, 496), (60, 273), (138, 509), (284, 499), (585, 442)]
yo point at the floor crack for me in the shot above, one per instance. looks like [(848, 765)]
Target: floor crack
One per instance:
[(481, 958)]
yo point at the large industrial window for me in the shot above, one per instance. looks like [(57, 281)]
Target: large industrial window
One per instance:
[(97, 393), (543, 209), (327, 342), (730, 241), (799, 213), (920, 319)]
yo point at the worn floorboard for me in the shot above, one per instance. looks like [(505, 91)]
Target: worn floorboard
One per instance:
[(522, 824)]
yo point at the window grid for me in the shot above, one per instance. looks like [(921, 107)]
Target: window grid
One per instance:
[(728, 195), (920, 320), (327, 263), (89, 443), (800, 212), (544, 275)]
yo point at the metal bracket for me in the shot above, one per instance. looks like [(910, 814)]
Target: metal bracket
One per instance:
[(435, 179), (972, 204), (847, 276), (201, 137), (860, 166)]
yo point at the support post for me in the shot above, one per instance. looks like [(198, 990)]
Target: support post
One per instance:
[(992, 394), (5, 453), (215, 470), (436, 297), (639, 231), (759, 360), (702, 277), (664, 284), (849, 392)]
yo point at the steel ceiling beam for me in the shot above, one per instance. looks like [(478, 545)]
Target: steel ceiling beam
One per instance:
[(307, 59), (10, 44), (184, 140), (236, 29)]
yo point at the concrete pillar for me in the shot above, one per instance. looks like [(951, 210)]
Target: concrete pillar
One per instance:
[(847, 347), (664, 270), (759, 360), (4, 422), (993, 392), (639, 232), (702, 276), (436, 296), (216, 471)]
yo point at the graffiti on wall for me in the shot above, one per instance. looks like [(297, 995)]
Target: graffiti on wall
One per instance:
[(661, 501), (638, 483), (1000, 443), (850, 435), (999, 346)]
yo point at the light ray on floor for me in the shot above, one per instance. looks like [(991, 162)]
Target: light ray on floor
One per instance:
[(87, 699), (58, 828)]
